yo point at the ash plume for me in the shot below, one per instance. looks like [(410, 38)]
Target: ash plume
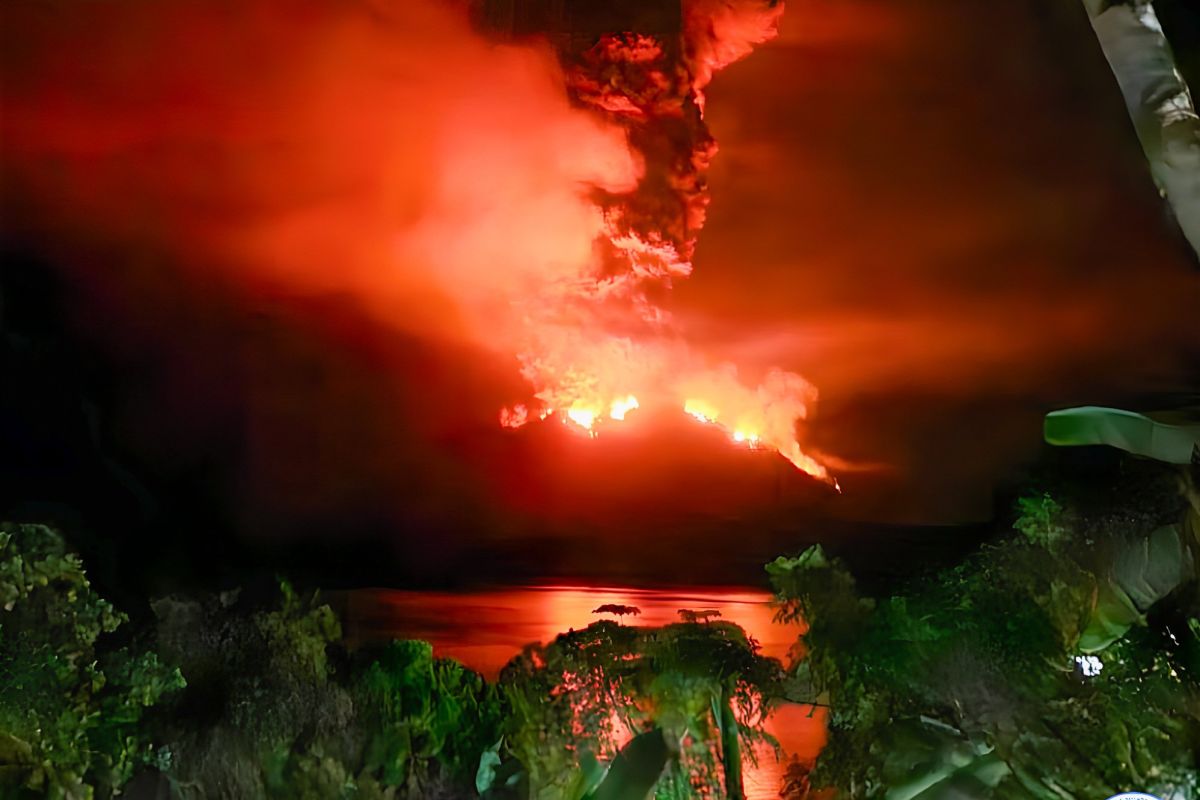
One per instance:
[(607, 339), (187, 165)]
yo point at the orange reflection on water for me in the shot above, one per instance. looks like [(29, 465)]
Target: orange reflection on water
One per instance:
[(484, 629)]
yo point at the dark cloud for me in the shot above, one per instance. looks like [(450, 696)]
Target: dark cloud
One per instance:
[(940, 215)]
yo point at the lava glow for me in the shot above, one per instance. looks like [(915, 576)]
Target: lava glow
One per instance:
[(579, 414), (709, 416), (760, 418), (598, 342), (700, 410), (583, 417), (533, 201), (622, 406)]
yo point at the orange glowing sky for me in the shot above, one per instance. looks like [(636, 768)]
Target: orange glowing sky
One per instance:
[(939, 213), (302, 232)]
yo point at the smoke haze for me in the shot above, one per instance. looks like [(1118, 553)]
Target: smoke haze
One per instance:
[(313, 236), (940, 214)]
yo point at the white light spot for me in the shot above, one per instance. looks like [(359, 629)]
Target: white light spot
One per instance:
[(1149, 19)]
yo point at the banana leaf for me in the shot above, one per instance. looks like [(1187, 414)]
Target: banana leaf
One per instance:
[(978, 779), (1112, 617), (636, 769), (1158, 99), (1134, 433), (1144, 571), (1148, 569), (919, 754)]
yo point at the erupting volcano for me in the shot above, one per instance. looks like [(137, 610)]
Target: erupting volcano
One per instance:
[(599, 343), (524, 179)]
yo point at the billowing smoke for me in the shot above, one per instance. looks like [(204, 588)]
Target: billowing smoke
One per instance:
[(602, 343), (521, 202), (378, 150), (285, 202)]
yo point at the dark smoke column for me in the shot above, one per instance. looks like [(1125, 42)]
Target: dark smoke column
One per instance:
[(644, 64), (602, 341)]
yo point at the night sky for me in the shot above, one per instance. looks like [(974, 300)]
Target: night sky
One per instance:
[(936, 212), (940, 214)]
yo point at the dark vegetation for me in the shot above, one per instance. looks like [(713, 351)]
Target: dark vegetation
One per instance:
[(72, 710), (260, 700), (1062, 659)]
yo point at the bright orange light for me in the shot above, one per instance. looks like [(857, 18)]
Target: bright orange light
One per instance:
[(481, 205), (700, 410), (622, 406), (742, 437), (583, 417)]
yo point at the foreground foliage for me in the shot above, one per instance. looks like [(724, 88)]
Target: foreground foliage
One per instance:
[(702, 688), (1059, 662), (71, 708), (284, 712), (271, 708), (274, 707)]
